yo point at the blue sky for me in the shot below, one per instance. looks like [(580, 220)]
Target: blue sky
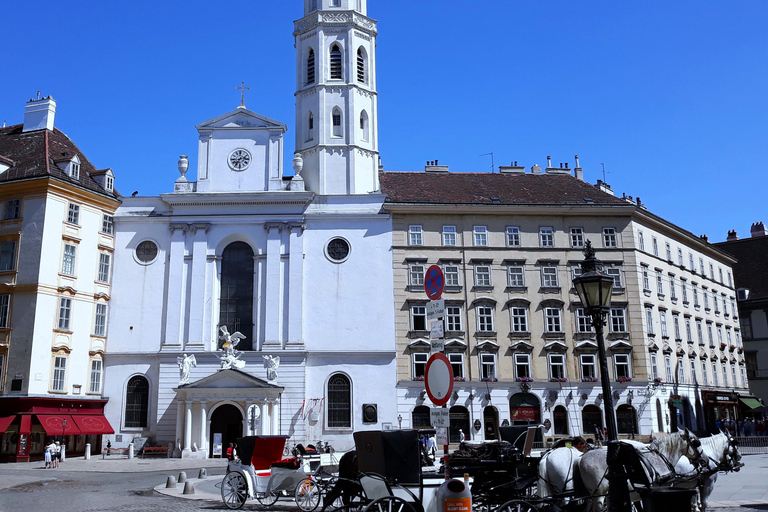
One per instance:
[(670, 96)]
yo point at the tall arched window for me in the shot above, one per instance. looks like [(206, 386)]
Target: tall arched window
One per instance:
[(364, 124), (137, 402), (339, 402), (336, 120), (336, 62), (310, 126), (236, 302), (311, 67), (362, 66)]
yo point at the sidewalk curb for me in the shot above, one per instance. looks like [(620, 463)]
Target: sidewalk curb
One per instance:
[(178, 491)]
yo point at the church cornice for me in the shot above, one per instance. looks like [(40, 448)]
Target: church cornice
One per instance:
[(335, 19), (336, 87), (270, 198)]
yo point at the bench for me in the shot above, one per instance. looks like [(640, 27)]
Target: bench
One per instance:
[(109, 451), (155, 450)]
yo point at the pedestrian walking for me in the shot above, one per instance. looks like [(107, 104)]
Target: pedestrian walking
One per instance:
[(57, 455), (432, 446), (598, 436), (49, 455), (461, 436)]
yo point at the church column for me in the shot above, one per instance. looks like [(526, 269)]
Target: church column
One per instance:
[(179, 426), (295, 285), (197, 295), (211, 309), (175, 287), (203, 423), (265, 425), (276, 417), (273, 295), (188, 426)]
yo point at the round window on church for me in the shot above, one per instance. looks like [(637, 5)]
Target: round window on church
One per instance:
[(146, 252), (337, 250)]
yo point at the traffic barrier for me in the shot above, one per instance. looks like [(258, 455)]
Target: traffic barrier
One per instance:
[(203, 474), (189, 488), (170, 483), (182, 477)]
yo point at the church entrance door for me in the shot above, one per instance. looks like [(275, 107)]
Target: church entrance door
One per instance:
[(227, 421)]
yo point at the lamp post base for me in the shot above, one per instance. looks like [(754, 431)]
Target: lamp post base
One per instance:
[(618, 490)]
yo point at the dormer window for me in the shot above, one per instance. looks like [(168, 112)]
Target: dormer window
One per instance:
[(110, 183), (75, 170)]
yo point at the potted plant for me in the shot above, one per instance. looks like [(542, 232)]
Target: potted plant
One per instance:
[(489, 379), (624, 379), (524, 379), (589, 379)]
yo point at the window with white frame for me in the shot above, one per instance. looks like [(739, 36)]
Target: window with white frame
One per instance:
[(672, 287), (336, 68), (577, 237), (588, 367), (100, 322), (546, 237), (416, 274), (107, 224), (720, 339), (621, 366), (516, 275), (720, 272), (655, 244), (480, 236), (7, 255), (684, 290), (659, 282), (483, 275), (575, 271), (583, 321), (741, 367), (68, 262), (704, 375), (680, 371), (640, 240), (710, 335), (663, 323), (714, 374), (453, 318), (419, 361), (104, 261), (549, 276), (692, 367), (457, 363), (451, 273), (487, 365), (59, 374), (733, 308), (13, 211), (688, 330), (418, 318), (484, 318), (730, 280), (725, 305), (75, 170), (449, 235), (700, 332), (94, 383), (705, 294), (733, 376), (552, 319), (690, 262), (618, 320), (701, 266), (676, 324), (519, 318), (556, 366), (654, 367), (65, 313), (711, 271), (668, 367), (615, 273), (649, 321), (695, 289), (728, 335), (668, 248), (680, 260), (5, 309), (646, 279), (522, 366), (725, 375), (513, 236), (609, 237), (73, 214), (415, 235)]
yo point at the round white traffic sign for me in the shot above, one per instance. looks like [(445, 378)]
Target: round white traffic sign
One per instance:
[(438, 379)]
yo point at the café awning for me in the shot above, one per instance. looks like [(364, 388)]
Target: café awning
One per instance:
[(751, 403), (93, 425), (6, 422), (54, 425)]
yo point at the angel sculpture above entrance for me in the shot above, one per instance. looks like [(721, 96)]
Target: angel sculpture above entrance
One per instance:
[(230, 358), (271, 363)]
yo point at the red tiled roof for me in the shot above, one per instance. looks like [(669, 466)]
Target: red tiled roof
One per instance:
[(751, 270), (491, 188), (34, 153)]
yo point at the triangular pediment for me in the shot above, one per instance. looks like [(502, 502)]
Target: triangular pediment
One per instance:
[(230, 379), (241, 119)]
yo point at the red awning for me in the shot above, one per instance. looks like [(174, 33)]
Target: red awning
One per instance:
[(6, 422), (93, 425), (54, 425)]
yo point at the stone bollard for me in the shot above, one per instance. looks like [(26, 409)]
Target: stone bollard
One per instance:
[(189, 488), (203, 474), (182, 477), (130, 451), (170, 483), (87, 451)]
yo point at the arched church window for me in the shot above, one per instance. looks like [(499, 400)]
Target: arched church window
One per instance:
[(336, 62), (311, 67), (137, 402), (339, 401), (236, 299), (310, 126), (361, 66), (364, 124), (336, 122)]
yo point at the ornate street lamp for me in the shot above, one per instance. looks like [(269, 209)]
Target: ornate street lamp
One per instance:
[(594, 287)]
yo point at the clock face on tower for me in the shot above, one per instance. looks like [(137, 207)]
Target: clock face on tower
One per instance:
[(239, 159)]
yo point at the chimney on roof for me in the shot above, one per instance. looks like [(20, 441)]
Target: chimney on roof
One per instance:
[(512, 169), (704, 238), (39, 114), (536, 169), (578, 172), (433, 166), (757, 229), (732, 235), (605, 187)]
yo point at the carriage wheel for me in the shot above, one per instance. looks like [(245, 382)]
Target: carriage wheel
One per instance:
[(516, 506), (267, 499), (389, 504), (307, 495), (234, 490)]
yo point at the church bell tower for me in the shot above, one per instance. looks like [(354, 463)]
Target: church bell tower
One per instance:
[(336, 99)]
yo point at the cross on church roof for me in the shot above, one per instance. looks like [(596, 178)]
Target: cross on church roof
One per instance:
[(242, 90)]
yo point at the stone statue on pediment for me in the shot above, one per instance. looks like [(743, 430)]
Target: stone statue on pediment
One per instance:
[(230, 357), (271, 363), (186, 363)]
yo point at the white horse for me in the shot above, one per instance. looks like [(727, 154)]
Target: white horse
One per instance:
[(657, 458), (557, 470), (721, 453)]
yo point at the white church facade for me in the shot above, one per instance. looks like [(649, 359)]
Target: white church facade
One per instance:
[(246, 302)]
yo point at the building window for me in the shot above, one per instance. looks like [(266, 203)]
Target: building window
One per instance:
[(549, 277), (513, 236), (73, 214), (415, 235), (668, 248), (655, 244), (236, 295), (480, 234), (336, 62), (339, 402), (695, 288), (618, 320), (522, 366), (690, 263), (720, 272), (711, 271), (680, 260), (336, 120), (75, 173), (107, 224), (659, 283), (487, 365), (519, 317), (588, 367), (609, 237), (688, 331), (640, 240), (649, 321), (416, 274), (361, 66), (310, 126), (701, 266), (730, 280), (94, 385), (556, 366), (704, 376), (684, 290), (615, 273), (7, 255), (676, 324), (453, 318), (700, 332), (710, 335), (516, 276), (68, 263), (483, 275), (104, 261), (646, 280), (5, 308), (705, 294), (418, 318), (311, 67), (451, 273), (654, 367), (668, 367), (110, 183), (484, 318), (725, 375), (13, 209), (457, 364), (364, 124), (622, 366), (100, 324), (663, 322), (720, 335), (672, 287), (137, 402), (577, 237), (335, 3), (552, 317), (714, 374), (420, 364), (583, 321), (449, 235), (65, 311), (692, 366), (546, 237), (59, 374)]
